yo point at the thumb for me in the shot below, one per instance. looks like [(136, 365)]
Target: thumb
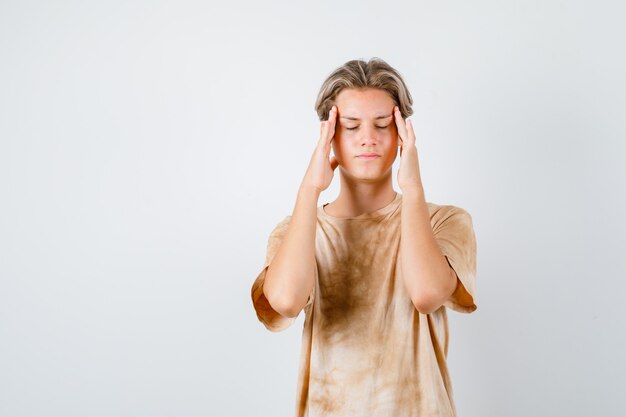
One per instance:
[(333, 162)]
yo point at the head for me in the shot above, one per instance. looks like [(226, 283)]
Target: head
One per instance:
[(365, 94)]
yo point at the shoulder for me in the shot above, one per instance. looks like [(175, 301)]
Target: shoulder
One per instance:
[(442, 212), (284, 221), (445, 208), (281, 226)]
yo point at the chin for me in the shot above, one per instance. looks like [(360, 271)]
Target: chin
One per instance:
[(365, 175)]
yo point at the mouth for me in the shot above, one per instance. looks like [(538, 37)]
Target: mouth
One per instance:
[(368, 156)]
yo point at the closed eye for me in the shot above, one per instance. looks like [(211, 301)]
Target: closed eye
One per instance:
[(380, 127)]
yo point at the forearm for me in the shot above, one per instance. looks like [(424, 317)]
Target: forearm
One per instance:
[(291, 274), (427, 276)]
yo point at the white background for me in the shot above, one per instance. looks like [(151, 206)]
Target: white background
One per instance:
[(148, 148)]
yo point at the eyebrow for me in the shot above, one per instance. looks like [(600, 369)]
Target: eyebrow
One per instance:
[(356, 118)]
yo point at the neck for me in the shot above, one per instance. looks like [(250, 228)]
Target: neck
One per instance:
[(358, 196)]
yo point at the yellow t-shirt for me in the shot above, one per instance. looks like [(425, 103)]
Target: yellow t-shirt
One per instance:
[(366, 350)]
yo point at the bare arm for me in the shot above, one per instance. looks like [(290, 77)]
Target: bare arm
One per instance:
[(428, 278), (290, 276)]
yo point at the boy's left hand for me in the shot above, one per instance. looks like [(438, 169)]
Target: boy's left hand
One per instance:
[(409, 172)]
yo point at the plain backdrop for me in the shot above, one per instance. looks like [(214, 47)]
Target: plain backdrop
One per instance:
[(148, 148)]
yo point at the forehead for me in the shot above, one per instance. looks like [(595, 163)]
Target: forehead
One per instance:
[(353, 104)]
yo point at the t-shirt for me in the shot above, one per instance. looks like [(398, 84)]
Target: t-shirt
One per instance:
[(366, 350)]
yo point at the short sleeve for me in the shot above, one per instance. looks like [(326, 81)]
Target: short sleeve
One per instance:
[(270, 318), (454, 232)]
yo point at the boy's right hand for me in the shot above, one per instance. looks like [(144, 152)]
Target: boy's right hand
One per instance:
[(321, 168)]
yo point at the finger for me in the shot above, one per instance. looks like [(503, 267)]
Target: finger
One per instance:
[(410, 132), (323, 134), (400, 124), (332, 119)]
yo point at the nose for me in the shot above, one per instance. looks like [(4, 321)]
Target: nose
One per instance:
[(369, 136)]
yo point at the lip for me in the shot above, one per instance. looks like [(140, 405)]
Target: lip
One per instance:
[(368, 156)]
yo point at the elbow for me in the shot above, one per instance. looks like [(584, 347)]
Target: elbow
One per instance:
[(285, 309), (282, 305), (424, 308), (425, 305), (285, 299)]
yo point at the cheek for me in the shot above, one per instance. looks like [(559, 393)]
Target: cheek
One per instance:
[(393, 138)]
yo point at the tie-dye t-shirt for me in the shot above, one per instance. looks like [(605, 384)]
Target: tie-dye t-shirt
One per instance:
[(366, 350)]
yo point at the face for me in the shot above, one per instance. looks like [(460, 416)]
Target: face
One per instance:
[(365, 125)]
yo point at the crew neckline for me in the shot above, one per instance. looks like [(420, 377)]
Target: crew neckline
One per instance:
[(373, 215)]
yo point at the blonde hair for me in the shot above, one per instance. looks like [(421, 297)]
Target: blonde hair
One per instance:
[(358, 74)]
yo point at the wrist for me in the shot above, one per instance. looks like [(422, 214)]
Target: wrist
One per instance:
[(309, 190), (414, 191)]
